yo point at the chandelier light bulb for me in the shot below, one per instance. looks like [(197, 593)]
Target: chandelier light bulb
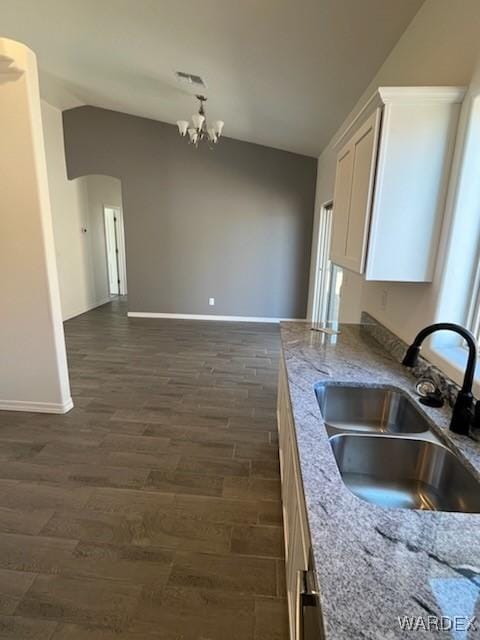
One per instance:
[(182, 127), (218, 126), (212, 136), (198, 121)]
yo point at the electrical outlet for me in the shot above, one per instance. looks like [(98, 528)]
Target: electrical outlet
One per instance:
[(384, 299), (211, 302)]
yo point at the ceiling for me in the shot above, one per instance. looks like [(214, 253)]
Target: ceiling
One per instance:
[(283, 73)]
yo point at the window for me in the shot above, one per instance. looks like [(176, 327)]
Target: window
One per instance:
[(474, 312), (334, 294), (328, 277)]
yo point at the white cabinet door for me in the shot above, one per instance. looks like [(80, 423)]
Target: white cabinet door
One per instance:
[(297, 541), (297, 566), (354, 183), (341, 204), (365, 143)]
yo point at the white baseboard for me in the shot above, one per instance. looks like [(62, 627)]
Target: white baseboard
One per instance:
[(88, 308), (36, 407), (193, 316)]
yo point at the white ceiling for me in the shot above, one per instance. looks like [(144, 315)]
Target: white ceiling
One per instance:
[(283, 73)]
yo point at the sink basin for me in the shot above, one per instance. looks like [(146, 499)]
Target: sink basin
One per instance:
[(405, 473), (368, 409)]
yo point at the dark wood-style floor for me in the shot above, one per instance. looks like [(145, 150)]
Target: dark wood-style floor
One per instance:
[(151, 510)]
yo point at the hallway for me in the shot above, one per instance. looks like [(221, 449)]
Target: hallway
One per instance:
[(152, 510)]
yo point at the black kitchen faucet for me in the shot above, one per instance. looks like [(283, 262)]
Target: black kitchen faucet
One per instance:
[(464, 416)]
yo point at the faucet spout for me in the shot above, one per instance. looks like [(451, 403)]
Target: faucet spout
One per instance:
[(463, 409)]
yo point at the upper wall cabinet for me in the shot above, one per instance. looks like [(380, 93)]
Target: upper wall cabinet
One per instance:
[(391, 180)]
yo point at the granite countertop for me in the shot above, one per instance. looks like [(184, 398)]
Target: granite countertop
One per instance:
[(376, 565)]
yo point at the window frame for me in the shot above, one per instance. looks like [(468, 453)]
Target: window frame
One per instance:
[(473, 315), (324, 267)]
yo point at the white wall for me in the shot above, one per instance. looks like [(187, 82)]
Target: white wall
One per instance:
[(76, 205), (440, 47), (33, 375), (69, 201)]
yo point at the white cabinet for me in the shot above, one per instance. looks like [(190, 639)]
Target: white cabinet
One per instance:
[(297, 543), (391, 177)]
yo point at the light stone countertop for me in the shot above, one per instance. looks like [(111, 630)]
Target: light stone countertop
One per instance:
[(376, 565)]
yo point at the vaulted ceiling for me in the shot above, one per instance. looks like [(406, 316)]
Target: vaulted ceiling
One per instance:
[(283, 73)]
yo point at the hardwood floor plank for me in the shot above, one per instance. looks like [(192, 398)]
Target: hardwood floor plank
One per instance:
[(251, 488), (28, 521), (128, 502), (214, 466), (140, 565), (23, 628), (96, 602), (13, 586), (190, 483), (271, 619), (35, 554), (216, 509), (265, 541), (229, 573), (215, 615), (92, 526)]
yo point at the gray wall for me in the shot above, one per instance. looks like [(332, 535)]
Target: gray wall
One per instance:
[(234, 223)]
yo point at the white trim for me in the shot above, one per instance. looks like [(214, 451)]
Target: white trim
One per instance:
[(372, 103), (194, 316), (89, 308), (120, 242), (36, 407), (405, 95), (416, 95)]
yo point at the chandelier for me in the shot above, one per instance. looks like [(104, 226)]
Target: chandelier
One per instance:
[(199, 130)]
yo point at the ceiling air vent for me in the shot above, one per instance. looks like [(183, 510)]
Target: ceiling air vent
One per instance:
[(190, 78)]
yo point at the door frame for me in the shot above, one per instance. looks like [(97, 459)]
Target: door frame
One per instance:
[(322, 255), (120, 244)]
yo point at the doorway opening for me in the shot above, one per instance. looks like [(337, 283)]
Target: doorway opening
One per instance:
[(115, 250), (328, 277)]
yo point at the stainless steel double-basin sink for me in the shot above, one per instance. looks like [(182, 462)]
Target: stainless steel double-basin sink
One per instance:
[(387, 453)]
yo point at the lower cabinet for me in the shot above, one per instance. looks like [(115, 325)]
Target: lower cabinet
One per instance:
[(297, 542)]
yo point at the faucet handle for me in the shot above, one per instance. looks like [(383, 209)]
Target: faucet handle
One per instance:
[(430, 394), (462, 414), (475, 424)]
